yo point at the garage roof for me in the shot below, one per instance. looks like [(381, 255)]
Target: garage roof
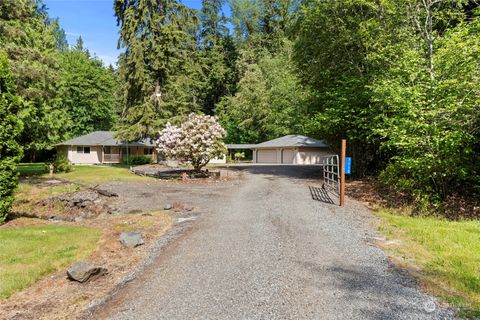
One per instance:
[(240, 146), (292, 140), (104, 138)]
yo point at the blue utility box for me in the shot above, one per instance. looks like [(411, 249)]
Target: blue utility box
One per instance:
[(348, 165)]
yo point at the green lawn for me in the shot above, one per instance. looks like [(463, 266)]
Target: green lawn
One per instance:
[(29, 253), (26, 169), (447, 252), (99, 174)]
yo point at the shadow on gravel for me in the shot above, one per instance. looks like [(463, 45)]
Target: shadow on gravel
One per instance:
[(307, 172), (381, 297), (320, 194)]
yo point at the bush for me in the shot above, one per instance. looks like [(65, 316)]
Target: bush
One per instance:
[(197, 140), (61, 164), (10, 150), (138, 160)]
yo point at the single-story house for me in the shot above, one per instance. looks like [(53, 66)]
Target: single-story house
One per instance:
[(290, 149), (101, 147)]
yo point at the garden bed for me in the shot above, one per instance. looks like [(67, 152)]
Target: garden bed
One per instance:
[(164, 172)]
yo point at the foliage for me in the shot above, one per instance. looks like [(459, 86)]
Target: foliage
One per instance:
[(138, 160), (270, 101), (61, 164), (31, 40), (88, 91), (400, 81), (157, 36), (239, 156), (10, 149), (29, 253), (198, 140), (446, 253)]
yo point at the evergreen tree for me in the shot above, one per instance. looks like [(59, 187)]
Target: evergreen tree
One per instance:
[(218, 55), (10, 150), (157, 38), (88, 91), (31, 41)]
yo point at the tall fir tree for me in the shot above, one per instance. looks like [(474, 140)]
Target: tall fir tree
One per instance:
[(32, 42), (88, 91), (157, 40), (10, 150)]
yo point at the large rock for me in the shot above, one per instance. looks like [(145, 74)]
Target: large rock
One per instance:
[(79, 199), (131, 239), (83, 271)]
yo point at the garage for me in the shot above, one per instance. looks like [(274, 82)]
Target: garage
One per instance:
[(288, 156), (290, 149), (267, 156)]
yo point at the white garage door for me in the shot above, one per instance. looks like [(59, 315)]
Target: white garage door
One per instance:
[(267, 156), (287, 156)]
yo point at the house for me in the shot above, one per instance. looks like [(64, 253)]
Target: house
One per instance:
[(290, 149), (101, 147)]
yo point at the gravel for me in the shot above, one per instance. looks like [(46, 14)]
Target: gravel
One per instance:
[(264, 249)]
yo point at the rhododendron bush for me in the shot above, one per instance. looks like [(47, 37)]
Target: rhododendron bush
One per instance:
[(198, 139)]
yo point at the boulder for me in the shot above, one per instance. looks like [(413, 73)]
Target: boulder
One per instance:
[(131, 239), (168, 206), (83, 271)]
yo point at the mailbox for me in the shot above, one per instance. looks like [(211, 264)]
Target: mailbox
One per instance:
[(348, 165)]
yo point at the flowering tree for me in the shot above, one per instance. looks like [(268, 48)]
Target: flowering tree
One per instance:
[(197, 140)]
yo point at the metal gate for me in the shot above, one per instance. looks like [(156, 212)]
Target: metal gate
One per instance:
[(331, 173)]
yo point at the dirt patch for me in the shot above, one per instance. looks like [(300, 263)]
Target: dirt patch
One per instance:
[(56, 297)]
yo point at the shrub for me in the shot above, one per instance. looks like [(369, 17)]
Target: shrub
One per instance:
[(197, 140), (239, 156), (137, 160), (61, 164), (10, 150)]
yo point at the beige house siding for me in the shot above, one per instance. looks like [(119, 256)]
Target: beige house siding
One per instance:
[(290, 155), (310, 155), (94, 157)]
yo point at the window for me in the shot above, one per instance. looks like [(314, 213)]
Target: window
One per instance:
[(146, 151), (83, 149), (107, 150)]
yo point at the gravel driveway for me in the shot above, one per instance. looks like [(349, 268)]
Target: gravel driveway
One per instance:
[(264, 249)]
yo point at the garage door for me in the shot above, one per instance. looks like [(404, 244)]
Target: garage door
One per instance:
[(287, 156), (267, 156)]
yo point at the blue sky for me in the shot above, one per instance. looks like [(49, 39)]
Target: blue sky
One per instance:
[(95, 22)]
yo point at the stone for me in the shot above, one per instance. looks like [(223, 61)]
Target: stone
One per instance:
[(131, 239), (168, 207), (83, 271), (187, 207), (78, 199)]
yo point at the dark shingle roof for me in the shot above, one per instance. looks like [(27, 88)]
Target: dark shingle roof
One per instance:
[(292, 140), (104, 138)]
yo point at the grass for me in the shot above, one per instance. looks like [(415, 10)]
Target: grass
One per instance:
[(446, 252), (27, 169), (99, 174), (29, 253)]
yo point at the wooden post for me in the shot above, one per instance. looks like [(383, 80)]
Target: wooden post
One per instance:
[(342, 173)]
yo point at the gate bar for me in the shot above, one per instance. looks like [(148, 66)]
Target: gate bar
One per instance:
[(342, 173)]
